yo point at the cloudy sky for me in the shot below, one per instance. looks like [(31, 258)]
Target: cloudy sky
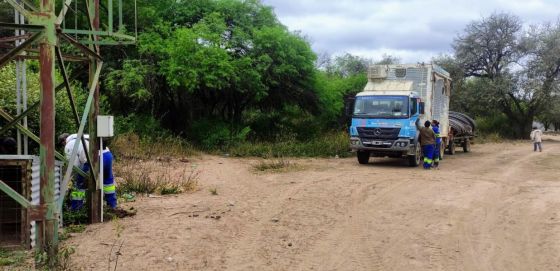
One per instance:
[(413, 30)]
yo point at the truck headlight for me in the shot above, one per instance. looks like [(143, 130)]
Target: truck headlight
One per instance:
[(401, 144), (355, 142)]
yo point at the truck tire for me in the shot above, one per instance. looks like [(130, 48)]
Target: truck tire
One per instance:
[(414, 160), (451, 147), (363, 157), (467, 145)]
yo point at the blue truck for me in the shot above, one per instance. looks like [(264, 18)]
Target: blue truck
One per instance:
[(394, 101)]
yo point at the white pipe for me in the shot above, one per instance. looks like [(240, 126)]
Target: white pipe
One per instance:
[(101, 175), (24, 101), (23, 67), (18, 83)]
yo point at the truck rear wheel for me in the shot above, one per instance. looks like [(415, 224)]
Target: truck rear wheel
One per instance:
[(414, 160), (467, 145), (363, 157), (451, 147)]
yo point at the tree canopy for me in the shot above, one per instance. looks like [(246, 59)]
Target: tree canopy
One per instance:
[(508, 69), (214, 60)]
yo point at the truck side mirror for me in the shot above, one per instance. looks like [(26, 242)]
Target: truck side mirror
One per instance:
[(422, 108), (349, 106)]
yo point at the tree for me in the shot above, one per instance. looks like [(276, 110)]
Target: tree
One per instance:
[(542, 65), (349, 65), (213, 61), (489, 46), (516, 71), (64, 115), (551, 115), (388, 60)]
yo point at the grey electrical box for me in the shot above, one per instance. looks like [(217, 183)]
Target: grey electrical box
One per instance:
[(104, 126)]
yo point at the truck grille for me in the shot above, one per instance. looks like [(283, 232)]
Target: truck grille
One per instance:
[(383, 145), (378, 133)]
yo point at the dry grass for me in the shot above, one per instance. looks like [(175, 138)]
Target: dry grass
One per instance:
[(213, 191), (131, 146), (276, 165), (488, 138), (152, 177), (150, 166)]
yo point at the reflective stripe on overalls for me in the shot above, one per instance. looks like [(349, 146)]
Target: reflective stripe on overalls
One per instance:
[(109, 188), (78, 194), (428, 152), (438, 145)]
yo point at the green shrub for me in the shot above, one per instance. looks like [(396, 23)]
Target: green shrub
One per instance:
[(215, 134), (71, 217), (489, 138), (497, 124), (64, 116), (12, 258), (328, 145), (143, 125)]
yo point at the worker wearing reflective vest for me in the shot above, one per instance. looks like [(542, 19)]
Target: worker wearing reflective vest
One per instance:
[(435, 127), (78, 193), (109, 188), (427, 141)]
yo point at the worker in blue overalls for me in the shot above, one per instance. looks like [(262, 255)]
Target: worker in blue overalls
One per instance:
[(78, 193), (435, 127), (109, 189), (79, 187), (427, 140)]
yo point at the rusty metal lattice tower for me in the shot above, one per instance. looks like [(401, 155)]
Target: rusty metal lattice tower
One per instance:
[(40, 32)]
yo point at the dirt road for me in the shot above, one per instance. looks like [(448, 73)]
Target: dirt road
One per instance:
[(497, 208)]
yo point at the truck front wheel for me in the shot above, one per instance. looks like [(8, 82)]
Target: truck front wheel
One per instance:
[(363, 157), (414, 160)]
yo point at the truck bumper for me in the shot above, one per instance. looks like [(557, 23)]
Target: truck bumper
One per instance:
[(394, 148)]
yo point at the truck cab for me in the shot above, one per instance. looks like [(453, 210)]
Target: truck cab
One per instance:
[(384, 124)]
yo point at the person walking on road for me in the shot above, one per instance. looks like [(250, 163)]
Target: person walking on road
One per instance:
[(428, 142), (536, 137)]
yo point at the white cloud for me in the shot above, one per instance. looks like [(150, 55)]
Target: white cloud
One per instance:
[(414, 30)]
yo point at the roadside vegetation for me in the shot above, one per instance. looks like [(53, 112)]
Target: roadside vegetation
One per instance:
[(144, 178), (279, 98), (225, 76), (12, 259)]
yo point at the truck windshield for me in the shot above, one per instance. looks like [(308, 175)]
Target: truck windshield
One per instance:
[(381, 106)]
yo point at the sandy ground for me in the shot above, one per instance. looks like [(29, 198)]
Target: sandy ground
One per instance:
[(496, 208)]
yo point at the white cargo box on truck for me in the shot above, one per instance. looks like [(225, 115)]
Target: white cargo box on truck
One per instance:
[(429, 81)]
